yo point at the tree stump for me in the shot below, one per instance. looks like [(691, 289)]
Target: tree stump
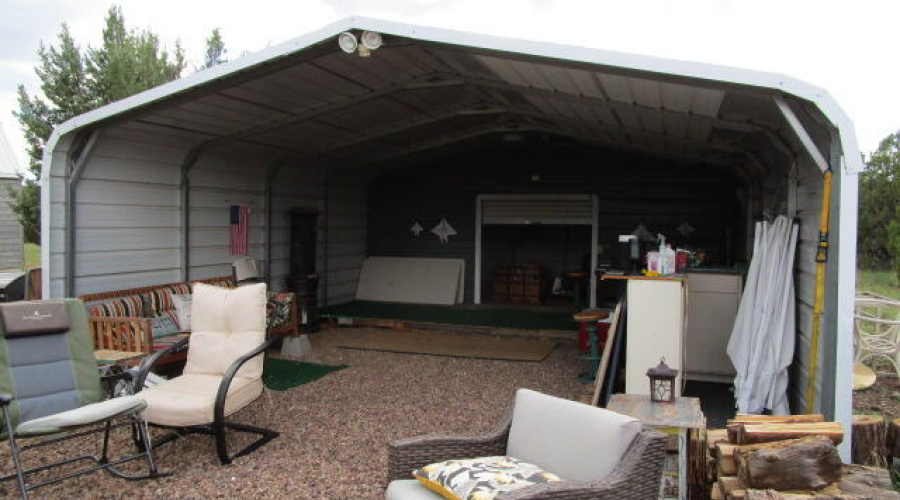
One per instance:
[(892, 446), (804, 464), (869, 440), (869, 482)]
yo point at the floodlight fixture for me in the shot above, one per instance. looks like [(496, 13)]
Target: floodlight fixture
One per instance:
[(347, 42)]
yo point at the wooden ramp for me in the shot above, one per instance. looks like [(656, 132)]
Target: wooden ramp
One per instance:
[(442, 344)]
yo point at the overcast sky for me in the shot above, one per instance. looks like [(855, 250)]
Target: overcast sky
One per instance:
[(847, 47)]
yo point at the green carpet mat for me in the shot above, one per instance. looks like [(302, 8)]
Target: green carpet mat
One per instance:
[(504, 317), (284, 374)]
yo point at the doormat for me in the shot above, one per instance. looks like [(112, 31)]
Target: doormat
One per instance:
[(444, 344), (283, 374)]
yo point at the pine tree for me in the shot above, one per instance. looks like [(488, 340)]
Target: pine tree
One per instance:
[(72, 83), (215, 50)]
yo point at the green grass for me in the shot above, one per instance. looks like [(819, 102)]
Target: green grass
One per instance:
[(32, 254), (880, 282)]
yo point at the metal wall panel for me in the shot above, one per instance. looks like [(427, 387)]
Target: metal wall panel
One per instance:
[(10, 229)]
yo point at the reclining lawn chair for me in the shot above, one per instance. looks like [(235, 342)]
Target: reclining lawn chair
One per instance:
[(224, 368), (49, 384)]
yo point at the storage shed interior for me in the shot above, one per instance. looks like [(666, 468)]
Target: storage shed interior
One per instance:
[(415, 132)]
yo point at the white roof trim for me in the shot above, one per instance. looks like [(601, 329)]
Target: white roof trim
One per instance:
[(9, 165), (725, 74)]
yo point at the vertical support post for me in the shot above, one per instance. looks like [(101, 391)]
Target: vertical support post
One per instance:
[(477, 291), (595, 235), (78, 159), (271, 173), (185, 190), (840, 282)]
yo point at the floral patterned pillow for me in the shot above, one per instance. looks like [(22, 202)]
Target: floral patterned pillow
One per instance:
[(481, 478)]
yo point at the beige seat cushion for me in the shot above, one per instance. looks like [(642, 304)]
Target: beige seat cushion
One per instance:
[(190, 399), (226, 324), (409, 489), (574, 440)]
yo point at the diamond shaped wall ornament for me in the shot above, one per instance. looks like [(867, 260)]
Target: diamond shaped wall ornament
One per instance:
[(417, 229), (444, 231)]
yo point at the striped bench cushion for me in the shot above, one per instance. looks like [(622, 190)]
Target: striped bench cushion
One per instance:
[(131, 306)]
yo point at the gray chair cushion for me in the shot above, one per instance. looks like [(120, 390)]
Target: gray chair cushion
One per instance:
[(573, 440), (409, 489), (86, 415)]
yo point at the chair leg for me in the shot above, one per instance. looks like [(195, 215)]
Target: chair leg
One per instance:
[(144, 431), (221, 447), (14, 451), (218, 431)]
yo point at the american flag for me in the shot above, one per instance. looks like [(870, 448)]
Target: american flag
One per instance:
[(238, 234)]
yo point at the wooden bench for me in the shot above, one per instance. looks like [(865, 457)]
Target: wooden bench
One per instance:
[(136, 334)]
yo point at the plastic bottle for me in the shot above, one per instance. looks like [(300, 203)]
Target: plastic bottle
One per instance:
[(669, 257)]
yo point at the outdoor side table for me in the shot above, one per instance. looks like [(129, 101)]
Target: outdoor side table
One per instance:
[(675, 419)]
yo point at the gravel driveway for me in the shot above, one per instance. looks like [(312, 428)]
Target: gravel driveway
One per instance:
[(334, 431)]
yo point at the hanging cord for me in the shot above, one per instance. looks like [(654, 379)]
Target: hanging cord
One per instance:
[(821, 257)]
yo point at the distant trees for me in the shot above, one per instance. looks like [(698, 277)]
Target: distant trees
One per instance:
[(215, 50), (74, 81), (878, 237)]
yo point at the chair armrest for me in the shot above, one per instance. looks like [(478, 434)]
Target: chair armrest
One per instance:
[(636, 477), (148, 363), (219, 410), (406, 455)]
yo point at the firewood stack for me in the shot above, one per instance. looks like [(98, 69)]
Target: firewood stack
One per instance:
[(794, 457)]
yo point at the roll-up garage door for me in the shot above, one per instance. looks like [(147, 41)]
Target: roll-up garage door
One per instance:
[(560, 210)]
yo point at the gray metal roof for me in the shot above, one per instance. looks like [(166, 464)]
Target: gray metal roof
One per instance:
[(427, 90)]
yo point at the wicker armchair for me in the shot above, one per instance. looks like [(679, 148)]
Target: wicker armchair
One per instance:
[(636, 476)]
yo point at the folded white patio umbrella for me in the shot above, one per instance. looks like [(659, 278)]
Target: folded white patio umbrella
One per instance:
[(762, 341)]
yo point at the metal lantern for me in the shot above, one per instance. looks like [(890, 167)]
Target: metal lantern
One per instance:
[(662, 382)]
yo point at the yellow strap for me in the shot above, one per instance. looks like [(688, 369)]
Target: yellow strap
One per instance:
[(818, 302)]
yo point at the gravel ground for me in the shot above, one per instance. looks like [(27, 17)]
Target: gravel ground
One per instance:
[(334, 431)]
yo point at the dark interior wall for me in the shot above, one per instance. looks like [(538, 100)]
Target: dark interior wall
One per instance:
[(631, 190)]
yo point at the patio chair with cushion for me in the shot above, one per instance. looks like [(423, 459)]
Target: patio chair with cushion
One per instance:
[(50, 384), (223, 373), (594, 453)]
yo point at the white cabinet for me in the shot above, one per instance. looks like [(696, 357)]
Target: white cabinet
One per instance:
[(655, 330), (713, 301)]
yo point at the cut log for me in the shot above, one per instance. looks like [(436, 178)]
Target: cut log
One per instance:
[(780, 495), (747, 418), (767, 433), (892, 447), (714, 436), (715, 493), (725, 459), (805, 464), (738, 494), (869, 482), (869, 440), (733, 431), (729, 484), (726, 467)]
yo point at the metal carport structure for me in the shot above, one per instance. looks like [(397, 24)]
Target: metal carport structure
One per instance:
[(133, 190)]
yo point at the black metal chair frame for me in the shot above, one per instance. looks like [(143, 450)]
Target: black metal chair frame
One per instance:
[(140, 434), (219, 425)]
